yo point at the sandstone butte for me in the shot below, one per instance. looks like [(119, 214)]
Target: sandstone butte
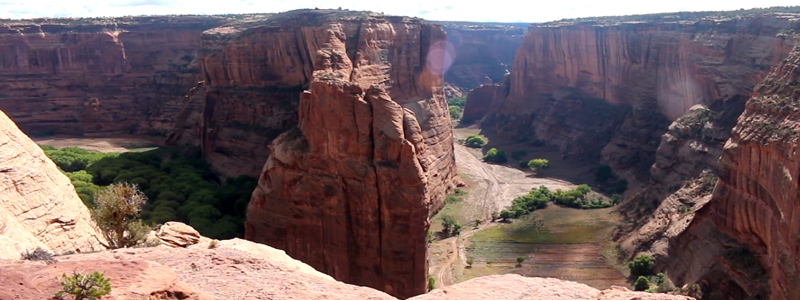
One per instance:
[(38, 204), (241, 270), (351, 189)]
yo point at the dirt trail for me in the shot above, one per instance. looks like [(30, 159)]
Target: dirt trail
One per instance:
[(493, 189)]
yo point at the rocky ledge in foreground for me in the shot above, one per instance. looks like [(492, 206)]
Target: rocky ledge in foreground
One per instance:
[(238, 269)]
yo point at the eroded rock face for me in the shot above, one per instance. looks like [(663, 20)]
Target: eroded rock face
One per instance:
[(99, 77), (38, 204), (351, 189), (608, 91), (512, 286), (752, 219), (478, 102)]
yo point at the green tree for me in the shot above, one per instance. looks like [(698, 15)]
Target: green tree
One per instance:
[(431, 283), (642, 265), (505, 215), (603, 174), (455, 112), (448, 223), (469, 262), (475, 141), (584, 189), (520, 260), (641, 284), (496, 156), (116, 212), (538, 164), (91, 286)]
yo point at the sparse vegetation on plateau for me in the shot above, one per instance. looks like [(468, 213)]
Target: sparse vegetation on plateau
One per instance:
[(84, 286)]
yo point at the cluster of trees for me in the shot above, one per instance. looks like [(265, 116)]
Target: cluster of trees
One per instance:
[(495, 156), (641, 268), (579, 198), (456, 106), (450, 226), (523, 205), (475, 141), (180, 187), (608, 181)]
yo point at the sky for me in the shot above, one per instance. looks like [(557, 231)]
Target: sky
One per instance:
[(449, 10)]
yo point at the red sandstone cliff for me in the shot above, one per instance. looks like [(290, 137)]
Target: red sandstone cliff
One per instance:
[(752, 221), (98, 76), (607, 90), (350, 191)]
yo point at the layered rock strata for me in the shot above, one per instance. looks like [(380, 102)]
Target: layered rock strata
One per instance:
[(351, 189), (99, 76), (38, 204), (607, 90), (751, 222)]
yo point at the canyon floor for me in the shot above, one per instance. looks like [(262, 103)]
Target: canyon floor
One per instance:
[(106, 145), (573, 245)]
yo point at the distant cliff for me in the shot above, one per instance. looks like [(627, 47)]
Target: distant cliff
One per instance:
[(98, 76), (607, 90), (481, 51)]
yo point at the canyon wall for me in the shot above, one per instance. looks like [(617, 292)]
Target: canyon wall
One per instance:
[(351, 189), (38, 204), (480, 52), (99, 76), (607, 90), (753, 217)]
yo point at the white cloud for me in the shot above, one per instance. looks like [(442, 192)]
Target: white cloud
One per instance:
[(498, 10)]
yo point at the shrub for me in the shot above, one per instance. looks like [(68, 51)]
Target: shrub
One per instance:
[(39, 254), (452, 199), (520, 259), (505, 215), (538, 164), (455, 112), (470, 262), (116, 212), (474, 141), (90, 286), (642, 265), (519, 154), (496, 156), (641, 284), (431, 283)]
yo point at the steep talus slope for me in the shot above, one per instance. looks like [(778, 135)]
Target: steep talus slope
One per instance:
[(607, 90), (98, 76), (480, 50), (351, 189), (752, 219), (38, 205)]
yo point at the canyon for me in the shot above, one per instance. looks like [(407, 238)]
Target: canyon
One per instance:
[(343, 116)]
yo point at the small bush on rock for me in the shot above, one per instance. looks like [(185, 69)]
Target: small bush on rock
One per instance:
[(116, 212), (91, 286), (39, 254)]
